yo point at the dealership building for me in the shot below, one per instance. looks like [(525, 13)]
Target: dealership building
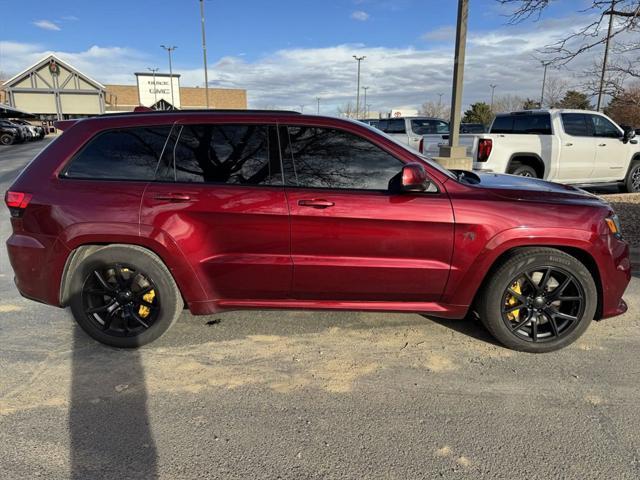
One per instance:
[(52, 89)]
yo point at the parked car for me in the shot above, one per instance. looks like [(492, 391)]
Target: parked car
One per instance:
[(568, 146), (409, 130), (36, 132), (10, 133), (128, 217)]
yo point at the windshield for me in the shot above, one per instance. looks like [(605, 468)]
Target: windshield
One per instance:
[(429, 126), (430, 161)]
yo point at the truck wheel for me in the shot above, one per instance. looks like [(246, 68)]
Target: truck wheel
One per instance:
[(632, 182), (124, 296), (523, 171), (538, 300), (6, 139)]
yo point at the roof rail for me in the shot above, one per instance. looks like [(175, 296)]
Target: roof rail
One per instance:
[(145, 111)]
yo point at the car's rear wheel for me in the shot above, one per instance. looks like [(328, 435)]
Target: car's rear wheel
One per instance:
[(124, 296), (523, 171), (538, 300), (632, 182)]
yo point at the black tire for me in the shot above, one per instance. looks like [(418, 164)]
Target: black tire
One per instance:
[(523, 171), (123, 325), (6, 139), (632, 182), (549, 325)]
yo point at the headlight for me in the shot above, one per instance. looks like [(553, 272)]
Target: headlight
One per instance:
[(613, 222)]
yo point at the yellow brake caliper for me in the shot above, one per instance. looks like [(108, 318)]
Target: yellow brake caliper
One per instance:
[(148, 297), (514, 316)]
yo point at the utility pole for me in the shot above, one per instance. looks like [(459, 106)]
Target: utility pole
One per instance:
[(453, 155), (155, 89), (204, 54), (440, 98), (301, 108), (358, 59), (318, 109), (493, 89), (169, 50), (365, 101), (606, 54), (544, 82)]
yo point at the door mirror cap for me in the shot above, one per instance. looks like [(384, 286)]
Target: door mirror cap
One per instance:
[(412, 178), (629, 133)]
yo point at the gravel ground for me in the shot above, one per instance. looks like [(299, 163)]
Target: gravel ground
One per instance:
[(627, 206)]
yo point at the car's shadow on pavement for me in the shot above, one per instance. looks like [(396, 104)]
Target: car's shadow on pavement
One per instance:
[(469, 326), (110, 434)]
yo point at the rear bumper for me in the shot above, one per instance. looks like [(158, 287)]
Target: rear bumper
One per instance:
[(37, 266)]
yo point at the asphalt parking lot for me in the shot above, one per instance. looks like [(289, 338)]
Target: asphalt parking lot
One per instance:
[(310, 395)]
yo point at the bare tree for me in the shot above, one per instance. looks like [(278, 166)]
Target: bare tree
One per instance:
[(590, 35), (508, 103), (555, 89), (435, 109), (347, 110), (625, 107)]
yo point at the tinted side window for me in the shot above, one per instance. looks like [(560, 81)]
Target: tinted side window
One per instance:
[(532, 124), (127, 154), (232, 154), (426, 127), (329, 158), (575, 124), (603, 127), (502, 124), (396, 126)]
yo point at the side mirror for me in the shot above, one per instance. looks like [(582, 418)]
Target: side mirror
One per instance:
[(629, 133), (412, 178)]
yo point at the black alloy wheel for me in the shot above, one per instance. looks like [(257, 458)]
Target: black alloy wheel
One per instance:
[(543, 304), (120, 300)]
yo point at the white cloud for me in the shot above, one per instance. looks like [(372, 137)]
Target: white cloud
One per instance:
[(360, 15), (291, 77), (46, 25), (445, 33)]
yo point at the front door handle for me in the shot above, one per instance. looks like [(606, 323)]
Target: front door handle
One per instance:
[(173, 197), (316, 203)]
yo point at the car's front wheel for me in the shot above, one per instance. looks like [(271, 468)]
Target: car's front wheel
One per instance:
[(124, 296), (632, 182), (538, 300), (6, 139)]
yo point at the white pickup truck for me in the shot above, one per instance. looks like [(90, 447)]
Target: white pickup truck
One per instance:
[(567, 146)]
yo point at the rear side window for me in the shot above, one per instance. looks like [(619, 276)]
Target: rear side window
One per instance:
[(502, 124), (126, 154), (396, 126), (523, 124), (426, 127), (575, 124), (229, 154)]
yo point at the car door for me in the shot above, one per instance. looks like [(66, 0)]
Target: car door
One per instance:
[(577, 152), (612, 155), (219, 196), (350, 238)]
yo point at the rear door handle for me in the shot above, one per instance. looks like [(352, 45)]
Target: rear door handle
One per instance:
[(316, 203), (173, 197)]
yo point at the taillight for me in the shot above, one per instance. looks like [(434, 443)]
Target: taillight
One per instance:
[(17, 202), (421, 145), (484, 149)]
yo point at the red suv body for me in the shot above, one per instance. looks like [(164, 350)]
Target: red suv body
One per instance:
[(264, 210)]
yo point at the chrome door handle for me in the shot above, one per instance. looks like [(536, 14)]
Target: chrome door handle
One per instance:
[(568, 144), (316, 203)]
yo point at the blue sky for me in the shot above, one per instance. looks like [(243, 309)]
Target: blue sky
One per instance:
[(285, 52)]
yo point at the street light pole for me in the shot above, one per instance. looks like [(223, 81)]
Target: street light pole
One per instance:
[(204, 54), (365, 101), (544, 81), (318, 110), (169, 50), (155, 89), (493, 89), (358, 59)]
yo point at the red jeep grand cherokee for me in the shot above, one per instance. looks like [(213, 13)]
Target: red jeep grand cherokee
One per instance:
[(127, 218)]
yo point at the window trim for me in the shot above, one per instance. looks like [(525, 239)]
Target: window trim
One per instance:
[(62, 175), (342, 190)]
